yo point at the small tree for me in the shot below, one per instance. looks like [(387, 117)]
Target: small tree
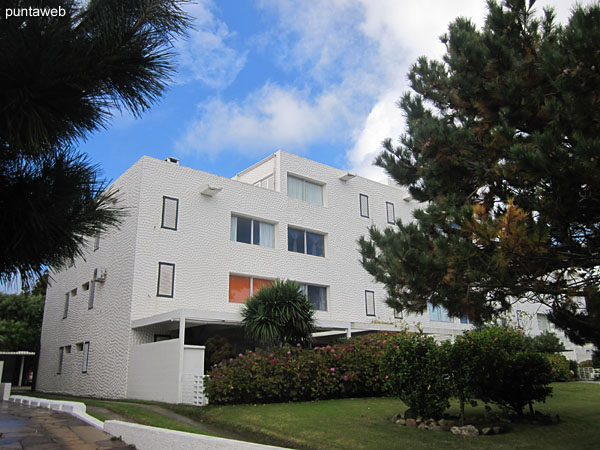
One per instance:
[(20, 321), (279, 314)]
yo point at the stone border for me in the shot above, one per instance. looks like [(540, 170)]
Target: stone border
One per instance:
[(142, 436)]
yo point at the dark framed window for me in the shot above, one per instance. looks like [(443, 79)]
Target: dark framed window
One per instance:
[(66, 311), (391, 215), (370, 303), (398, 314), (86, 354), (307, 242), (92, 289), (170, 211), (364, 205), (166, 280), (61, 354)]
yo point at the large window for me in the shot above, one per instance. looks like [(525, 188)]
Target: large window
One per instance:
[(252, 231), (391, 215), (438, 313), (305, 190), (166, 279), (364, 205), (543, 323), (86, 353), (301, 241), (169, 213), (370, 303), (241, 286), (317, 296)]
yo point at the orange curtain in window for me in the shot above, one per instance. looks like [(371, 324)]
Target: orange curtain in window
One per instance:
[(258, 283), (239, 289)]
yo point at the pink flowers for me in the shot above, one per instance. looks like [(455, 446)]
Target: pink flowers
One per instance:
[(345, 377), (241, 354), (289, 353), (332, 369)]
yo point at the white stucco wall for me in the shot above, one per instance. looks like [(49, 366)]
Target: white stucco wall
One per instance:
[(154, 371), (107, 325)]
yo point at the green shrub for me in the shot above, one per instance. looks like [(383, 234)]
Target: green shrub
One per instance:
[(573, 366), (414, 364), (547, 342), (504, 370), (560, 367), (282, 374)]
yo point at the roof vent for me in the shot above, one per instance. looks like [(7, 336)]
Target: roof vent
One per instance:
[(172, 160)]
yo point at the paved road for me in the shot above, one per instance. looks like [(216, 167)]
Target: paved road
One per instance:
[(22, 427)]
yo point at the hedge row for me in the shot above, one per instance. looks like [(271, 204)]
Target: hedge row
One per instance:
[(286, 374), (494, 365)]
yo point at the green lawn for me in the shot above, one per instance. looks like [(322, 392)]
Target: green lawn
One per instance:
[(365, 424)]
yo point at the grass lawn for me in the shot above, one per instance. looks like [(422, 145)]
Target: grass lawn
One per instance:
[(365, 424)]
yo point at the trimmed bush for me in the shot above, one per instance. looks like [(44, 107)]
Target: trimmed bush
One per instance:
[(414, 364), (504, 370), (560, 367), (289, 373)]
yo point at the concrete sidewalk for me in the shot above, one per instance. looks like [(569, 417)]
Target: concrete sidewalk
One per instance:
[(23, 427)]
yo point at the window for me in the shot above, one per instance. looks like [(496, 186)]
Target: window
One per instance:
[(465, 320), (61, 351), (317, 296), (73, 292), (68, 349), (398, 314), (66, 311), (86, 353), (92, 289), (240, 287), (97, 242), (522, 320), (438, 313), (267, 183), (252, 231), (364, 205), (170, 211), (305, 190), (166, 278), (85, 287), (543, 323), (301, 241), (391, 216), (79, 346), (370, 303)]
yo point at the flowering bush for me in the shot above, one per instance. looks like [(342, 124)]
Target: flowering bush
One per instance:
[(351, 369)]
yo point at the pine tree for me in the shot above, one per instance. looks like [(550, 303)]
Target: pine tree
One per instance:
[(61, 77), (502, 146)]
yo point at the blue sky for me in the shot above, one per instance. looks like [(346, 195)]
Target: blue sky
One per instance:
[(316, 78)]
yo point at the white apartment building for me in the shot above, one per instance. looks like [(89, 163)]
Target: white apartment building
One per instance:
[(130, 319)]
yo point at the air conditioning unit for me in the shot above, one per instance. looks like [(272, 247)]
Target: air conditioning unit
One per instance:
[(172, 160), (101, 278)]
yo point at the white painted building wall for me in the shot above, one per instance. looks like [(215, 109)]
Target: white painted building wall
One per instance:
[(204, 256)]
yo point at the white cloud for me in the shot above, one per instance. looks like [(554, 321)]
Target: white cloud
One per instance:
[(271, 118), (347, 62), (204, 54)]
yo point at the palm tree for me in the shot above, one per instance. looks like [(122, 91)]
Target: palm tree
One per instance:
[(279, 314), (60, 78)]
